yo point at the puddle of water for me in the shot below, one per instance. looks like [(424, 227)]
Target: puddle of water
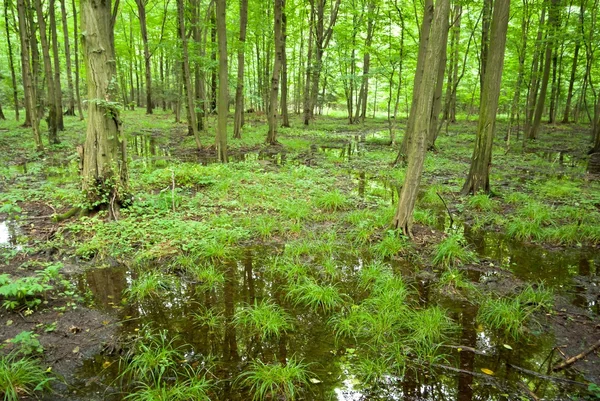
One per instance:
[(312, 340), (9, 234)]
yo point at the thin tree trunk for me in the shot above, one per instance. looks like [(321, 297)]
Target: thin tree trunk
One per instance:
[(436, 108), (239, 90), (552, 24), (223, 98), (213, 57), (76, 49), (192, 125), (403, 219), (71, 109), (533, 84), (309, 65), (11, 62), (478, 178), (28, 85), (272, 136), (57, 85), (565, 119), (285, 120), (147, 62), (361, 110)]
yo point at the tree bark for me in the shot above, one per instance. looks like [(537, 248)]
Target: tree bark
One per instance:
[(104, 154), (363, 95), (71, 109), (57, 85), (213, 57), (565, 119), (278, 11), (533, 83), (11, 62), (485, 39), (285, 119), (76, 49), (192, 125), (51, 97), (403, 218), (521, 69), (423, 44), (550, 39), (478, 179), (141, 5), (436, 108), (239, 90), (223, 98)]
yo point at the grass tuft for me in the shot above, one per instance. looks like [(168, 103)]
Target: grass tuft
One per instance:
[(275, 381), (265, 319), (452, 251)]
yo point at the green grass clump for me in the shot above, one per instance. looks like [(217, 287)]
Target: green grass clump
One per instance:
[(21, 376), (524, 229), (391, 245), (425, 217), (265, 319), (536, 211), (147, 285), (428, 328), (558, 189), (454, 278), (196, 388), (332, 201), (452, 251), (208, 277), (481, 202), (275, 381), (315, 296), (373, 273), (509, 315)]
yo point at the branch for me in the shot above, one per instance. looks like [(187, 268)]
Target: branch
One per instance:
[(576, 358)]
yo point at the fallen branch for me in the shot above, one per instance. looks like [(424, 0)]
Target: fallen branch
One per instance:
[(468, 372), (448, 210), (546, 377), (465, 348), (577, 357)]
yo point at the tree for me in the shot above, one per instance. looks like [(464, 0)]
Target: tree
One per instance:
[(223, 98), (28, 83), (13, 76), (76, 49), (141, 6), (403, 219), (105, 150), (71, 109), (239, 90), (478, 178), (272, 135)]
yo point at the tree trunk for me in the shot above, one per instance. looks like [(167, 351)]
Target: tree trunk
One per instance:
[(450, 102), (403, 218), (57, 85), (363, 95), (11, 62), (436, 108), (239, 90), (71, 109), (213, 57), (50, 98), (521, 69), (285, 119), (28, 83), (478, 179), (223, 99), (104, 153), (533, 83), (272, 136), (552, 24), (148, 67), (565, 119), (76, 49), (192, 125), (423, 43), (485, 41), (309, 66)]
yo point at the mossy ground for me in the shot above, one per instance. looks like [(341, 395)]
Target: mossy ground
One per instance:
[(304, 227)]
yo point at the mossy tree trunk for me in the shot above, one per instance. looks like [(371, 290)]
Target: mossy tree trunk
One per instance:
[(239, 90), (403, 218), (272, 135), (223, 98), (104, 157), (478, 178)]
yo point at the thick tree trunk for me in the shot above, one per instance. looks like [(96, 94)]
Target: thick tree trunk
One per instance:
[(436, 108), (403, 218), (223, 99), (272, 136), (238, 120), (57, 85), (141, 5), (104, 153), (478, 179), (11, 62), (2, 116), (187, 82), (552, 24), (71, 109), (485, 41), (51, 97)]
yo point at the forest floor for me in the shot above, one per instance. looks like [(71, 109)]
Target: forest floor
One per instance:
[(490, 293)]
